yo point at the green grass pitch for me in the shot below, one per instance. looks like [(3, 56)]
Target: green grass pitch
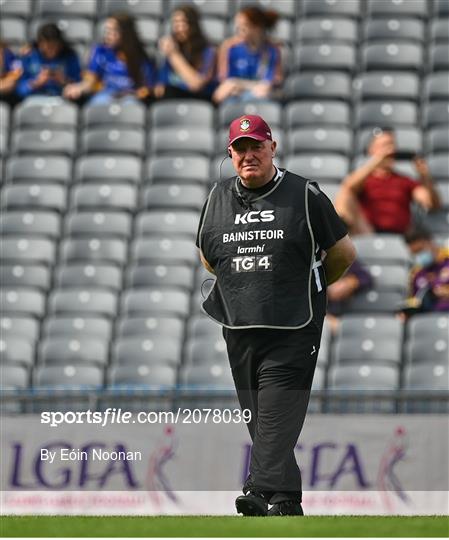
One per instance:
[(220, 526)]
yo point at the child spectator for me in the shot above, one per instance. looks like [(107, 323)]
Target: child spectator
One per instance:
[(188, 67), (49, 65), (10, 71), (120, 66), (429, 276), (375, 198), (249, 63)]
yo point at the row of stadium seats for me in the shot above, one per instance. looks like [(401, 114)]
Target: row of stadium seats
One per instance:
[(91, 9), (307, 30), (317, 105)]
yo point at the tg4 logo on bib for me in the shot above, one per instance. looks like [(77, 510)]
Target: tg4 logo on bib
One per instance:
[(257, 263)]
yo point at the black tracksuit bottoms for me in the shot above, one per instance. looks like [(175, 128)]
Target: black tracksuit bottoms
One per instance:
[(273, 372)]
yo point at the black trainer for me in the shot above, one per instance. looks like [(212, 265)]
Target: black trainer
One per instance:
[(252, 504), (286, 508)]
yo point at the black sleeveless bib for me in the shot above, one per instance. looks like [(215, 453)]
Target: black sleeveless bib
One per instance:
[(262, 253)]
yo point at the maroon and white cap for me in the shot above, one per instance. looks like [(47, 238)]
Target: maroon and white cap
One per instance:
[(249, 125)]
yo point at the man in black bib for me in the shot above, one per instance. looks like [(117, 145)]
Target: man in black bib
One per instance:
[(274, 241)]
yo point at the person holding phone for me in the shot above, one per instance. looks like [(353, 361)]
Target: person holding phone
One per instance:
[(376, 198), (49, 65)]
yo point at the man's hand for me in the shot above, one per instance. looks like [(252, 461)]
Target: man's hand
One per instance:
[(206, 265), (421, 167)]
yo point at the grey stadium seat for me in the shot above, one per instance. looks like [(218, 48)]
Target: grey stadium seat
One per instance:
[(13, 30), (181, 222), (436, 113), (86, 302), (430, 350), (337, 140), (161, 276), (89, 275), (327, 30), (21, 302), (86, 8), (394, 29), (14, 377), (316, 112), (68, 376), (374, 301), (368, 349), (178, 113), (48, 197), (436, 85), (326, 167), (381, 113), (205, 351), (389, 277), (94, 250), (326, 8), (437, 140), (108, 169), (173, 139), (137, 8), (104, 196), (22, 250), (162, 350), (113, 141), (77, 327), (156, 301), (174, 196), (330, 55), (375, 326), (17, 222), (359, 380), (439, 165), (420, 377), (439, 57), (73, 350), (223, 169), (318, 85), (24, 327), (115, 115), (390, 55), (388, 85), (15, 350), (37, 276), (212, 376), (437, 222), (142, 375), (201, 326), (99, 224), (43, 141), (270, 111), (150, 327), (21, 8), (164, 250), (32, 115), (441, 8), (55, 169), (180, 169), (388, 8), (424, 325), (439, 29)]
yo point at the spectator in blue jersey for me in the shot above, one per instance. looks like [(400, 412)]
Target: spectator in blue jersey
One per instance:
[(188, 67), (249, 63), (49, 65), (10, 71), (119, 68)]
